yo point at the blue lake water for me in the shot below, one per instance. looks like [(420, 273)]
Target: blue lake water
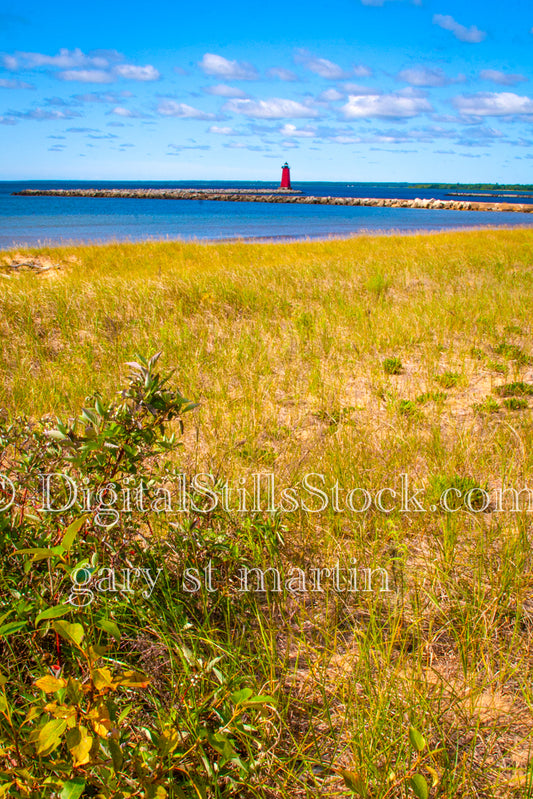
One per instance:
[(58, 220)]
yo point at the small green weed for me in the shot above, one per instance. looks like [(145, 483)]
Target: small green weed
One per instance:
[(392, 366)]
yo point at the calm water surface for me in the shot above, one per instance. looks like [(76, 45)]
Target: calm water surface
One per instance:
[(58, 220)]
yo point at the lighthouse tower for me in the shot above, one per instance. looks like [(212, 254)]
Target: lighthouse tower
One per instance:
[(285, 176)]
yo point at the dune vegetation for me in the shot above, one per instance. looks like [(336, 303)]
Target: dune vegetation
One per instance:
[(390, 364)]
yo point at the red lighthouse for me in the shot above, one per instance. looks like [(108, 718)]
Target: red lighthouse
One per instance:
[(285, 176)]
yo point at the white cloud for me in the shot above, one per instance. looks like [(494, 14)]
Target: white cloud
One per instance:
[(10, 62), (360, 71), (102, 97), (217, 65), (400, 106), (97, 66), (169, 108), (86, 75), (471, 34), (44, 114), (179, 147), (330, 96), (255, 148), (326, 69), (120, 111), (273, 108), (132, 72), (427, 76), (493, 104), (282, 74), (68, 59), (320, 66), (356, 88), (299, 133), (504, 78), (221, 131), (5, 83), (343, 139), (223, 90)]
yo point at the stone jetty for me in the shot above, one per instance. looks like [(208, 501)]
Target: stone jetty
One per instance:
[(276, 196)]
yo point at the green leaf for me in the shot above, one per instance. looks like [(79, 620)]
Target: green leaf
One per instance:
[(53, 613), (98, 406), (4, 704), (12, 627), (39, 553), (221, 744), (73, 633), (168, 741), (354, 782), (56, 434), (116, 754), (50, 736), (419, 785), (73, 789), (418, 741), (241, 696), (110, 627), (260, 699), (71, 532), (90, 416)]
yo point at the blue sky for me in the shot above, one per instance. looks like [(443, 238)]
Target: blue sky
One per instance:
[(393, 90)]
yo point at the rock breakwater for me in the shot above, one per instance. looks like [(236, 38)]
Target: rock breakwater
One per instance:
[(268, 196)]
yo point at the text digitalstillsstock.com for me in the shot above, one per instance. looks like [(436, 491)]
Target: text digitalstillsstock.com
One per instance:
[(256, 493)]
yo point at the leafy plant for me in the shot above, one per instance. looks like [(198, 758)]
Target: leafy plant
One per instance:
[(515, 403), (517, 389), (455, 492), (513, 353), (448, 379), (494, 366), (431, 396), (392, 366), (77, 714), (489, 405), (408, 408), (420, 773)]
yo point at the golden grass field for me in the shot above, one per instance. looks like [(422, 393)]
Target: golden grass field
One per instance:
[(283, 347)]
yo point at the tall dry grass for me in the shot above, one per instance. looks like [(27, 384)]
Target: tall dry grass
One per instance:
[(283, 347)]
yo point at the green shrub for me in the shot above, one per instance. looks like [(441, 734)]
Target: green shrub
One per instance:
[(515, 403), (408, 407), (513, 353), (431, 396), (517, 389), (120, 697), (392, 366), (489, 405), (458, 488), (448, 379), (494, 366)]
